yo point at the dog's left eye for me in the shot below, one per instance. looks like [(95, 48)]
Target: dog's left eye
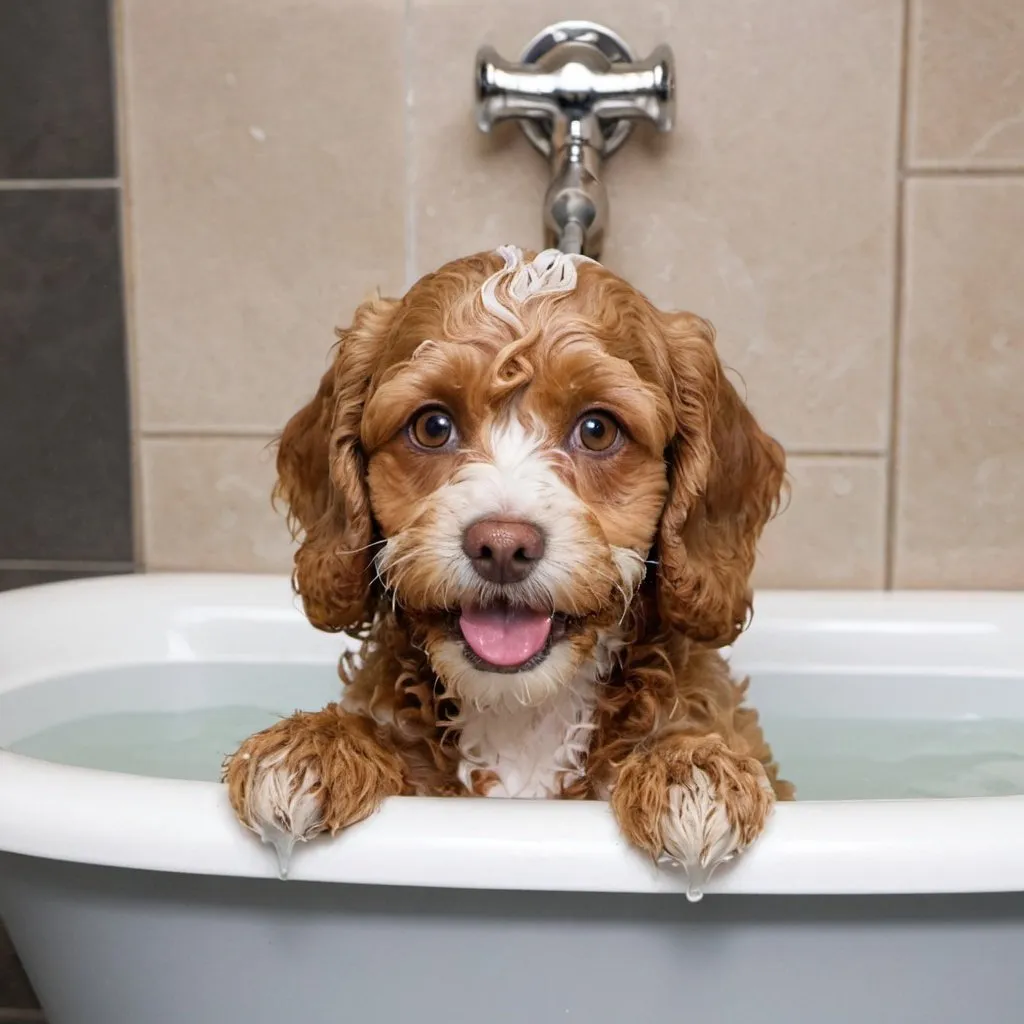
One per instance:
[(597, 432), (431, 429)]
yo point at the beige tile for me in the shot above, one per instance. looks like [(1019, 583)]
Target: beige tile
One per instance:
[(770, 209), (966, 84), (266, 177), (206, 506), (832, 533), (961, 439)]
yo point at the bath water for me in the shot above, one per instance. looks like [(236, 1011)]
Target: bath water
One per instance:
[(879, 759), (176, 721), (180, 721), (171, 745)]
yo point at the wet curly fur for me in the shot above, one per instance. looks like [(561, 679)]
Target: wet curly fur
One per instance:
[(685, 499)]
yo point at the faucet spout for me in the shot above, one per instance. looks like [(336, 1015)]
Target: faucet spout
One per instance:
[(576, 203), (571, 238)]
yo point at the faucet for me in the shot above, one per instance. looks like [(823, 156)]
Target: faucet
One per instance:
[(577, 92)]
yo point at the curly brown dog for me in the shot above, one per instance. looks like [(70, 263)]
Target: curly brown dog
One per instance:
[(536, 500)]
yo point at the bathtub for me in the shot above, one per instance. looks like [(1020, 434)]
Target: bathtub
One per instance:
[(139, 900)]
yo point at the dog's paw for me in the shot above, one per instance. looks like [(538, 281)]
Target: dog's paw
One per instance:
[(705, 824), (693, 804), (275, 783), (318, 771)]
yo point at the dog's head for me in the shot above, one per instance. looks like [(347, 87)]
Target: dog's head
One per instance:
[(506, 453)]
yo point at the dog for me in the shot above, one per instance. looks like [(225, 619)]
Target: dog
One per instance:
[(536, 500)]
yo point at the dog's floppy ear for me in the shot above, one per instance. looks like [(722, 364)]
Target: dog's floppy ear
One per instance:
[(322, 478), (726, 478)]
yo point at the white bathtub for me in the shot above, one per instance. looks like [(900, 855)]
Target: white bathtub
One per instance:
[(137, 900)]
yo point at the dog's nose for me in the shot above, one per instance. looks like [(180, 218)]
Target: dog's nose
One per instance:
[(503, 550)]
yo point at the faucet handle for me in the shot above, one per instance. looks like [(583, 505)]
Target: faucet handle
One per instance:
[(571, 70), (506, 91)]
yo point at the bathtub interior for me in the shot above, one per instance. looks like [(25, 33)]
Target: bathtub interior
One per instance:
[(838, 736), (856, 707)]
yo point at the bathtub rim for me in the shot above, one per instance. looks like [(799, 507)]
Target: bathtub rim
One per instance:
[(854, 847)]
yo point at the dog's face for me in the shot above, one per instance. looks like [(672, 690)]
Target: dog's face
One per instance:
[(517, 475), (505, 453)]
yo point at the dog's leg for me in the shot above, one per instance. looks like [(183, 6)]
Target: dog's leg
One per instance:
[(693, 802), (313, 772)]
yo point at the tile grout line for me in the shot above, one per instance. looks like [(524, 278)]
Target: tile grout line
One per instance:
[(899, 256), (56, 184), (408, 98), (962, 172), (116, 28)]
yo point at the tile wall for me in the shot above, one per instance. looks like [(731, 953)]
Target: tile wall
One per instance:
[(841, 197)]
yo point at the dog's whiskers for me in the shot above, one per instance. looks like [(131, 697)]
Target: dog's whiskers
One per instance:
[(356, 551)]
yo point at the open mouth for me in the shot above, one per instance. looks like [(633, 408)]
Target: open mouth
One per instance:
[(502, 638)]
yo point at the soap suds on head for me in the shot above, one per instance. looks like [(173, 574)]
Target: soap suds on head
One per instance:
[(551, 272)]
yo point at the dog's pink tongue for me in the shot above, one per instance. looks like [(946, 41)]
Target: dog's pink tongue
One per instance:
[(505, 637)]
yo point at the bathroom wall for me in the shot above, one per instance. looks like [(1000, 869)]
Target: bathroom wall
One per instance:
[(842, 197)]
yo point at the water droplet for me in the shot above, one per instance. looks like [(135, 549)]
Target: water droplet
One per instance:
[(284, 861), (283, 844), (697, 876)]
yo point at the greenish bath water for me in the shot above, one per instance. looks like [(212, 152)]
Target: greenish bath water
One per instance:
[(179, 721)]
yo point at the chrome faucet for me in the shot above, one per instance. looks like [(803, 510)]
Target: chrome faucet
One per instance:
[(577, 93)]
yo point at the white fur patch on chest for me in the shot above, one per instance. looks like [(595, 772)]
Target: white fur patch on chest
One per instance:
[(533, 751), (550, 272), (536, 749)]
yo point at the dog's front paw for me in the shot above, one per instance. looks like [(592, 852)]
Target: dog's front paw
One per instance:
[(275, 784), (313, 772), (693, 803)]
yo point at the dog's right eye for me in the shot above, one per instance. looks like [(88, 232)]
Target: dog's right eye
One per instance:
[(431, 429), (597, 432)]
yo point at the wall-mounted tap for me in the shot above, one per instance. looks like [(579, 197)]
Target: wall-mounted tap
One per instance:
[(577, 92)]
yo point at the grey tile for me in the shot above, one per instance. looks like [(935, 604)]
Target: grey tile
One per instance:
[(29, 576), (15, 990), (56, 90), (64, 437)]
